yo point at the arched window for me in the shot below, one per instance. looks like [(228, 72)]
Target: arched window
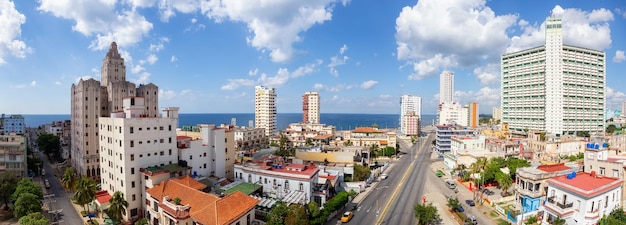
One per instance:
[(88, 172), (249, 178), (301, 186), (286, 185)]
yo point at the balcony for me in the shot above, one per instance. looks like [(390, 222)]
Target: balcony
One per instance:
[(592, 214), (558, 206), (565, 206)]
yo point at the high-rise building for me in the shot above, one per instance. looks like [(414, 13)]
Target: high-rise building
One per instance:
[(473, 115), (132, 142), (446, 87), (496, 113), (409, 105), (12, 124), (311, 107), (92, 99), (623, 108), (555, 88), (265, 109)]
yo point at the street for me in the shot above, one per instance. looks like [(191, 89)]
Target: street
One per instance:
[(401, 211), (55, 198)]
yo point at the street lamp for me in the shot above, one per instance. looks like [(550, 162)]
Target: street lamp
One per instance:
[(377, 194)]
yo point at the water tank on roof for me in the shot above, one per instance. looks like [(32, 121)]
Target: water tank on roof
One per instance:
[(588, 145), (280, 166), (597, 146), (604, 145)]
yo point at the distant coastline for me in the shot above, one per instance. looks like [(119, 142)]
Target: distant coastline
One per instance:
[(341, 121)]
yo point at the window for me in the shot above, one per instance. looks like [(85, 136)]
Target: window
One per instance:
[(134, 198), (162, 153), (132, 157), (606, 201), (190, 157), (170, 151), (205, 166), (161, 128), (265, 180), (132, 184), (122, 183), (615, 173), (169, 128), (170, 140), (601, 170), (132, 170), (132, 144), (133, 212), (132, 130), (301, 187), (161, 140), (121, 170)]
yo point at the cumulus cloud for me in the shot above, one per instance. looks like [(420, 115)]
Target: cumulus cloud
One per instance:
[(488, 74), (368, 84), (11, 21), (57, 82), (152, 58), (343, 49), (281, 77), (621, 12), (306, 69), (33, 83), (338, 60), (236, 83), (434, 35), (99, 18), (318, 86), (173, 59), (253, 72), (274, 25), (614, 98), (589, 29), (619, 56), (486, 97)]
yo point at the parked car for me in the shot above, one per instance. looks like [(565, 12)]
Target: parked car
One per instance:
[(383, 176), (47, 183), (459, 209), (346, 217), (450, 184), (470, 202)]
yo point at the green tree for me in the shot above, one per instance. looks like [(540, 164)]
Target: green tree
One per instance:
[(296, 215), (453, 203), (361, 172), (616, 217), (34, 218), (611, 128), (143, 221), (8, 184), (32, 164), (426, 214), (504, 180), (85, 191), (314, 209), (277, 214), (69, 179), (118, 206), (348, 143), (26, 203), (49, 144), (26, 186), (284, 146), (531, 220), (558, 221), (309, 142)]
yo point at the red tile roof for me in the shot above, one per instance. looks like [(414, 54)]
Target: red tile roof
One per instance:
[(366, 130), (554, 167), (585, 184), (103, 196), (204, 208), (322, 137), (182, 137)]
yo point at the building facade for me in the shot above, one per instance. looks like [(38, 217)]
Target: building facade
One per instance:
[(452, 113), (130, 141), (555, 87), (446, 87), (13, 154), (473, 115), (12, 124), (496, 113), (531, 183), (410, 124), (265, 109), (444, 134), (92, 99), (409, 105), (311, 107)]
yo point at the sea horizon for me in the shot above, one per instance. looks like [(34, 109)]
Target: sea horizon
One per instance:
[(341, 121)]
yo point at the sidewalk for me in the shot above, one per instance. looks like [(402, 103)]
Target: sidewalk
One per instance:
[(359, 198)]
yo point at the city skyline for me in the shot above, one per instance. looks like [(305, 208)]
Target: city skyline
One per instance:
[(207, 58)]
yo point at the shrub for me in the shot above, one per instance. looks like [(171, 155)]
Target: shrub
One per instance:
[(84, 213)]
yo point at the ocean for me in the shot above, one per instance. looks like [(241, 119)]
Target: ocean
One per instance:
[(341, 121)]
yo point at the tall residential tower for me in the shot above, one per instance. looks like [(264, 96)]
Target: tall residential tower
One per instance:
[(92, 99), (446, 87), (265, 109), (311, 107), (555, 88)]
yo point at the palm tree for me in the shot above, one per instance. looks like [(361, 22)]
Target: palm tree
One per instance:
[(118, 206), (559, 221), (69, 179), (85, 191), (504, 180)]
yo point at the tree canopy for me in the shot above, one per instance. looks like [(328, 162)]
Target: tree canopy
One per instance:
[(85, 191), (27, 186), (34, 218), (361, 172), (8, 184), (616, 217), (50, 145), (118, 206), (26, 203), (69, 179), (426, 214)]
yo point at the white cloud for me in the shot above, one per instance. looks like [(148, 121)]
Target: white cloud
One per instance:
[(281, 77), (333, 72), (589, 29), (168, 7), (343, 49), (274, 25), (621, 12), (339, 87), (33, 83), (193, 20), (99, 18), (57, 82), (141, 3), (486, 97), (152, 58), (166, 95), (434, 35), (137, 68), (488, 74), (306, 69), (236, 83), (20, 86), (173, 59), (143, 78), (156, 47), (619, 56), (318, 86), (368, 84), (11, 21), (253, 72), (614, 98)]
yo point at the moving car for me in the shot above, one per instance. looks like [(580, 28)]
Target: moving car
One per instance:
[(470, 202), (47, 183), (450, 184), (346, 217), (460, 209), (384, 176)]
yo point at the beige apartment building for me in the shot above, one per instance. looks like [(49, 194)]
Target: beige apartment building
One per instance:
[(13, 154), (92, 99), (265, 109), (311, 107)]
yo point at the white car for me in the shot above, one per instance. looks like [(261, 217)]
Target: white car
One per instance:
[(383, 176)]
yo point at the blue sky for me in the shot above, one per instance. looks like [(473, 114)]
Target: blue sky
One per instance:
[(207, 55)]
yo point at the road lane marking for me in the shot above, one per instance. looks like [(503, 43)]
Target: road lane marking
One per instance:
[(395, 192)]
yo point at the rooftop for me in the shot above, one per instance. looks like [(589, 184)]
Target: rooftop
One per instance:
[(586, 184), (366, 130), (553, 168), (170, 168), (243, 187)]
